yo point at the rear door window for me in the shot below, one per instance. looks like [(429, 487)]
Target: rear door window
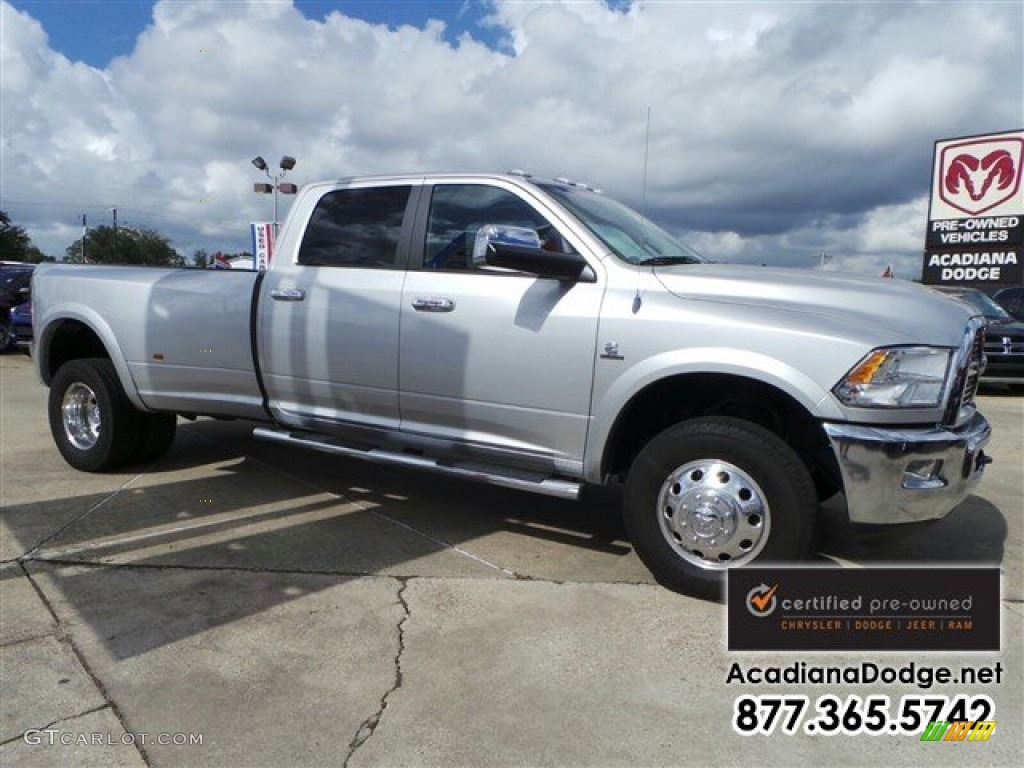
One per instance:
[(358, 228)]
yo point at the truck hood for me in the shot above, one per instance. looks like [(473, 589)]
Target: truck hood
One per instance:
[(893, 311)]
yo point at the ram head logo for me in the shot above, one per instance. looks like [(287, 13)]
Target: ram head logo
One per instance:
[(977, 179)]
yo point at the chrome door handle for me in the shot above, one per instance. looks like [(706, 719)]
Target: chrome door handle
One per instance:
[(288, 294), (433, 305)]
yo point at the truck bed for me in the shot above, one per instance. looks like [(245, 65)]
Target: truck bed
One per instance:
[(184, 335)]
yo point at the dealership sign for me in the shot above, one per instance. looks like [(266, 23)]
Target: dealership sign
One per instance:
[(979, 175), (262, 244), (976, 215)]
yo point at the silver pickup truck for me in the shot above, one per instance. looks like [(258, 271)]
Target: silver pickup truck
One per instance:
[(540, 336)]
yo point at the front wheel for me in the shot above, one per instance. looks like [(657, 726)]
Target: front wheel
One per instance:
[(714, 493), (91, 419)]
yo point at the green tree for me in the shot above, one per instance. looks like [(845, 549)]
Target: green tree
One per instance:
[(126, 245), (36, 256), (16, 245)]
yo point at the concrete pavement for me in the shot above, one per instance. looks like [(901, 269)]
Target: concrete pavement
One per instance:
[(292, 609)]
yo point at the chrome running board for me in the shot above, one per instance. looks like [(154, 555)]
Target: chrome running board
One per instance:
[(507, 478)]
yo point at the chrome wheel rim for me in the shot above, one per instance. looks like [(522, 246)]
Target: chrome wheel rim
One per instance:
[(80, 414), (713, 514)]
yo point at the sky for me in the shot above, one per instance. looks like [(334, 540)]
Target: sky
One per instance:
[(777, 132)]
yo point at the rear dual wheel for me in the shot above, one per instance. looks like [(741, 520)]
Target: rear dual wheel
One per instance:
[(715, 493), (156, 433), (93, 423)]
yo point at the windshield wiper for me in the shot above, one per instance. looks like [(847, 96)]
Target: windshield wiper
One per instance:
[(663, 261)]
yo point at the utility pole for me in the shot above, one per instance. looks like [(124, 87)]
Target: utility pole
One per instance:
[(114, 209), (85, 234)]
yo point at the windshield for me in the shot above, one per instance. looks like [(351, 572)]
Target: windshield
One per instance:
[(981, 302), (629, 235)]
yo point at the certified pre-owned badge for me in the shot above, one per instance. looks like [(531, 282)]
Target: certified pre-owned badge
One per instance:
[(761, 600), (863, 609)]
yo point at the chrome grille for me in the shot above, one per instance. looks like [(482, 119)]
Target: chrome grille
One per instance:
[(975, 367), (997, 346), (969, 363)]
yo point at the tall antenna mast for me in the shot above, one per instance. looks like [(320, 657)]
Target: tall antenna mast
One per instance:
[(643, 198), (638, 298)]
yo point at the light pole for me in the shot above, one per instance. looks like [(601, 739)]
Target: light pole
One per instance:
[(114, 209), (85, 234), (287, 163)]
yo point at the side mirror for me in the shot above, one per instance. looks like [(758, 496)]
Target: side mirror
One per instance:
[(519, 249), (490, 237)]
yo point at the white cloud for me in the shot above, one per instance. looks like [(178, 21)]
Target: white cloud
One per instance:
[(777, 129), (892, 228), (886, 235)]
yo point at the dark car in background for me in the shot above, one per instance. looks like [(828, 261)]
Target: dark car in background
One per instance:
[(21, 323), (15, 282), (1012, 300), (1004, 337)]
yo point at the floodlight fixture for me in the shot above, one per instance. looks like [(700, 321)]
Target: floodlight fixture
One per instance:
[(287, 163)]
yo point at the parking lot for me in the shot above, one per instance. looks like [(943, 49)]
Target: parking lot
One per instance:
[(292, 609)]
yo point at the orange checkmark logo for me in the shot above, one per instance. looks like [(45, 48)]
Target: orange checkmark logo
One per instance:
[(762, 599)]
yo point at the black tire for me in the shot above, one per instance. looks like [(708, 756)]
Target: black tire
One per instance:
[(713, 493), (156, 434), (92, 421), (7, 342)]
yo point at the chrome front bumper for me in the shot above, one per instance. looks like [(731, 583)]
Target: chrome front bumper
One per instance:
[(907, 475)]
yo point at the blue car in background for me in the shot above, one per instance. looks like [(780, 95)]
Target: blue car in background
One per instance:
[(15, 282), (1004, 336), (21, 323), (1012, 300)]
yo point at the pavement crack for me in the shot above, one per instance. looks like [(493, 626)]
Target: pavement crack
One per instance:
[(369, 725), (27, 640), (440, 542), (65, 636), (44, 558), (48, 560), (79, 518), (375, 512), (58, 721)]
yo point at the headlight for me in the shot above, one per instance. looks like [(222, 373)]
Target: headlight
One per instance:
[(898, 377)]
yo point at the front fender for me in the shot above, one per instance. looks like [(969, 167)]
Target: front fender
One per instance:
[(610, 402)]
